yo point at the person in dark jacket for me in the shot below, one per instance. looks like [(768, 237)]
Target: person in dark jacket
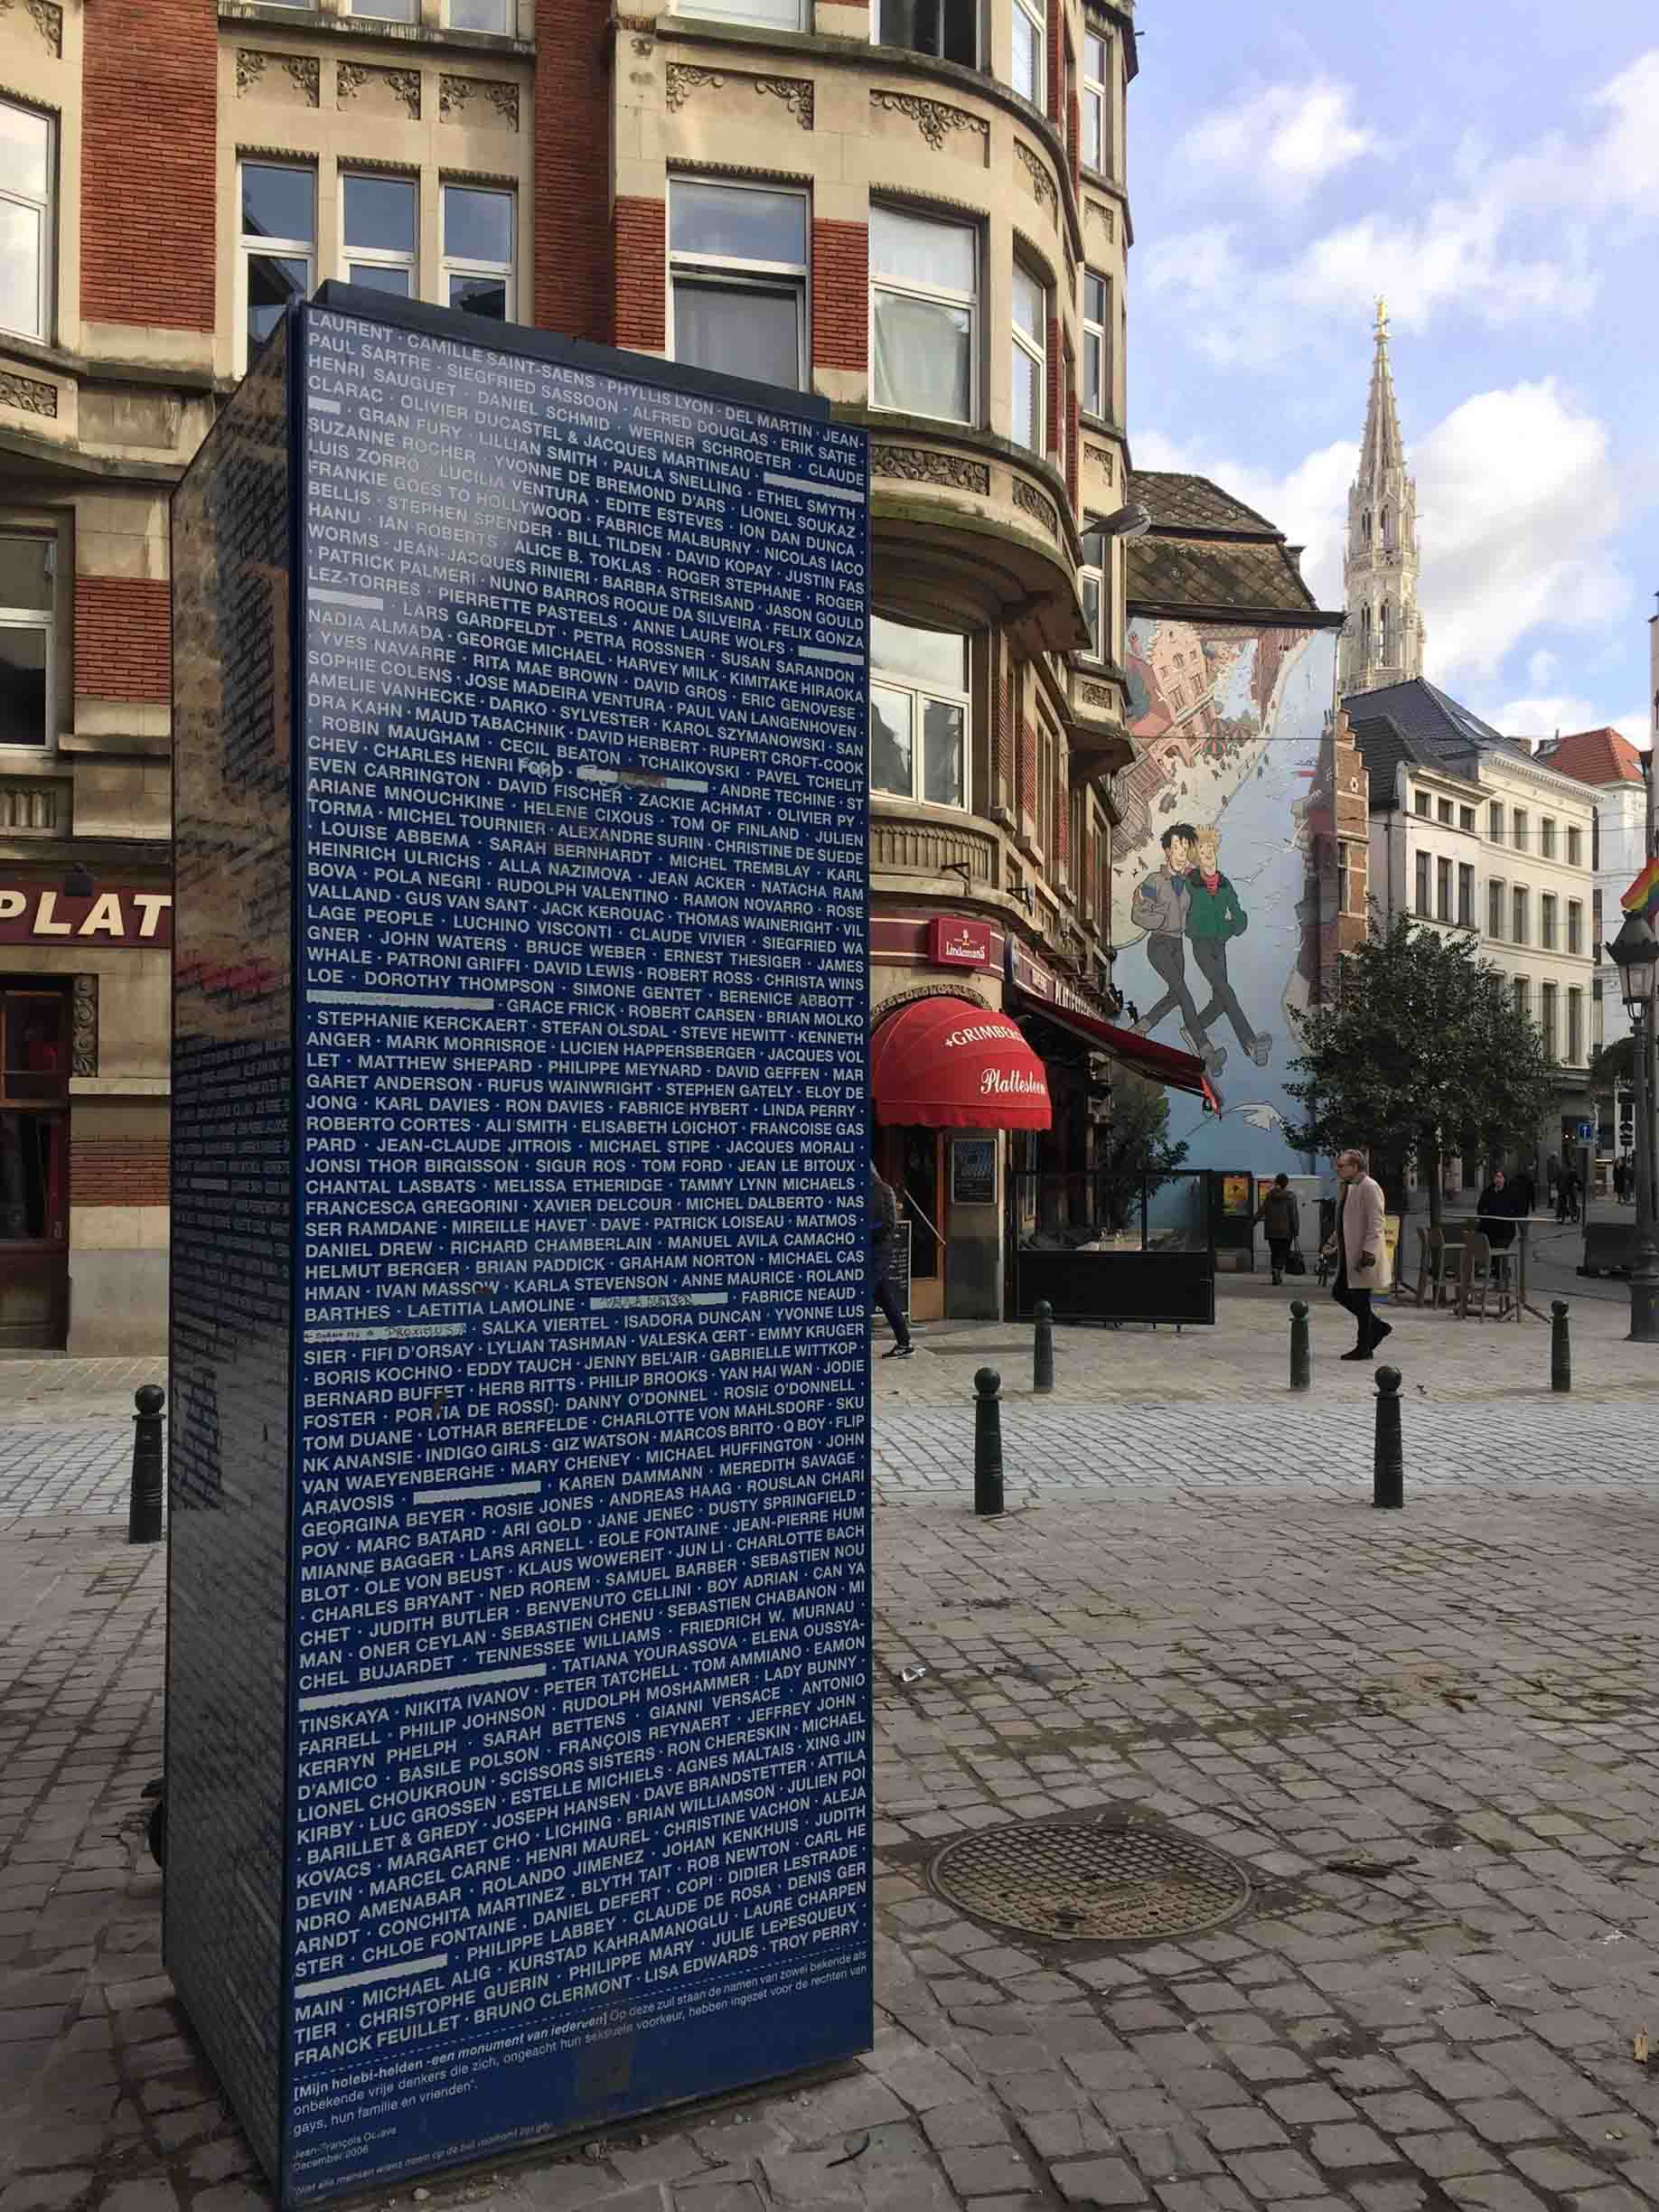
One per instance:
[(1498, 1210), (1213, 918), (883, 1216), (1281, 1221)]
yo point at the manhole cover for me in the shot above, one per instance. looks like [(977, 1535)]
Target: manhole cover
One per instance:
[(1092, 1881)]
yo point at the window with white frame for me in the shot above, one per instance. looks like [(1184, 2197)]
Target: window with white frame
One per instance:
[(478, 250), (27, 568), (924, 306), (388, 11), (279, 244), (1029, 361), (500, 17), (1494, 909), (1096, 138), (1575, 849), (1097, 356), (918, 713), (26, 221), (948, 30), (379, 222), (737, 272), (1523, 996), (1091, 582), (1030, 37), (1549, 995), (1575, 1026)]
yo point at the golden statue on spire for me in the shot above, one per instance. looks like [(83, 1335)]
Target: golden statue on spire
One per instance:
[(1381, 330)]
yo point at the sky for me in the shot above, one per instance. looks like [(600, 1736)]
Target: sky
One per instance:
[(1492, 167)]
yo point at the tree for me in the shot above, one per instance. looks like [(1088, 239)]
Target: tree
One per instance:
[(1134, 1145), (1422, 1051), (1614, 1064)]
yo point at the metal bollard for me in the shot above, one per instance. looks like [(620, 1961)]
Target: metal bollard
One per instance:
[(986, 1442), (1560, 1347), (1043, 1348), (1301, 1347), (144, 1512), (1388, 1475)]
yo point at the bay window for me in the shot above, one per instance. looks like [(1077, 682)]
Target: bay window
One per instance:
[(26, 641), (1029, 359), (1095, 83), (1096, 388), (26, 221), (948, 30), (738, 273), (1030, 38), (923, 303), (279, 244), (1091, 582), (918, 713)]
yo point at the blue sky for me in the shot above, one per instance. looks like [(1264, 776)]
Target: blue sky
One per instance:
[(1493, 167)]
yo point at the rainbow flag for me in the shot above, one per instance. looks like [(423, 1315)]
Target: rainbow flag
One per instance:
[(1643, 896)]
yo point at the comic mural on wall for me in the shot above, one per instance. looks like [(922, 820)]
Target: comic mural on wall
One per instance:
[(1217, 900)]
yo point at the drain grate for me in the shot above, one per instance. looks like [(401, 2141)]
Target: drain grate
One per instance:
[(1089, 1880)]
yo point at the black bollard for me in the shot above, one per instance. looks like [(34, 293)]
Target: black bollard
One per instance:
[(1560, 1347), (1043, 1348), (1301, 1348), (144, 1512), (1388, 1476), (986, 1442)]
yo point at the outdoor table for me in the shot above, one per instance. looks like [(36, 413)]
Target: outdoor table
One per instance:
[(1522, 1224)]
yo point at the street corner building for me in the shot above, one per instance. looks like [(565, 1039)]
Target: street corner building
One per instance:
[(920, 212), (1240, 857)]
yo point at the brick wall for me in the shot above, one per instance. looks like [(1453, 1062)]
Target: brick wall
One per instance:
[(1073, 137), (641, 275), (1052, 373), (1073, 430), (1004, 743), (148, 123), (1028, 772), (1056, 86), (117, 1171), (574, 288), (840, 294), (123, 638)]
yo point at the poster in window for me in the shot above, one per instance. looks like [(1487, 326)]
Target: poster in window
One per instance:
[(1236, 1196), (973, 1171)]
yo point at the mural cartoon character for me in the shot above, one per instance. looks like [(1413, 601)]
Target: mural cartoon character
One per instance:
[(1162, 908), (1213, 918)]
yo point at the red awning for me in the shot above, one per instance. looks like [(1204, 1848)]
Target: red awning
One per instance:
[(948, 1063), (1158, 1062)]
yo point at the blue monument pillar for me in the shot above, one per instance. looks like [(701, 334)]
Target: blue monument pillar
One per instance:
[(519, 1670)]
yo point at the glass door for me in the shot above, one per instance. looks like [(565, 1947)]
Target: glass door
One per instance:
[(34, 1072)]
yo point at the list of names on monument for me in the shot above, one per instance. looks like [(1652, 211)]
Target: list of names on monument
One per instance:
[(579, 1701)]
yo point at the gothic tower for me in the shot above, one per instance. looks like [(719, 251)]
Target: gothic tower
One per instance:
[(1382, 641)]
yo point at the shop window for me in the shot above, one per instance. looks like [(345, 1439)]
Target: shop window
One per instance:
[(1096, 87), (27, 656), (1030, 39), (478, 251), (280, 245), (26, 221), (1097, 359), (924, 303), (379, 218), (948, 30), (738, 275), (34, 1070), (1029, 359), (918, 713)]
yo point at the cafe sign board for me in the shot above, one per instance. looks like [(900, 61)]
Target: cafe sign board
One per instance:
[(31, 915)]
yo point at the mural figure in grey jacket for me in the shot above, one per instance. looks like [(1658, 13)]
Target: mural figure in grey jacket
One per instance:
[(1160, 908)]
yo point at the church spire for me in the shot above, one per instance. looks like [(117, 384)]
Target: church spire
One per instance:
[(1382, 643)]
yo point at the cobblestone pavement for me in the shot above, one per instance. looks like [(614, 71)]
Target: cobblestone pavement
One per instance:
[(1430, 1737)]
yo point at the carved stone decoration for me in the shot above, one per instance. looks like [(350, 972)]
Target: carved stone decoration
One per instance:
[(249, 66), (644, 45), (48, 20), (684, 79), (1097, 212), (303, 70), (933, 118), (1097, 695), (33, 396), (1032, 501), (915, 464), (795, 92), (384, 88), (1102, 457), (1041, 184), (457, 94), (83, 1031), (645, 25)]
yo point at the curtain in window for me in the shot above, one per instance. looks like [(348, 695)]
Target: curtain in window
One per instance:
[(942, 753), (745, 330), (890, 742), (922, 362)]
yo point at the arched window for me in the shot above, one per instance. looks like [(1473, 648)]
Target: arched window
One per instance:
[(1382, 637), (1364, 632), (1388, 527), (1365, 527)]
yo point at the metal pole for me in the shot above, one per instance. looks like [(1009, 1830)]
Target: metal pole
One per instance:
[(986, 1442), (1388, 1469), (1645, 1261), (144, 1512), (1301, 1348), (1560, 1347), (1043, 1348)]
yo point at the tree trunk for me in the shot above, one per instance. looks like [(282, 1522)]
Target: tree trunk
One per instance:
[(1428, 1153)]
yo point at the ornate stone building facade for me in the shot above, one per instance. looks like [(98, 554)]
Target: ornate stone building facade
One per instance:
[(920, 212), (1383, 641)]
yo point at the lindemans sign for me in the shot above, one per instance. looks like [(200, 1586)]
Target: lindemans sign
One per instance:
[(33, 917), (954, 943)]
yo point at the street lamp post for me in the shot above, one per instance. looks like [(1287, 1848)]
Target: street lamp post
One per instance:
[(1634, 951)]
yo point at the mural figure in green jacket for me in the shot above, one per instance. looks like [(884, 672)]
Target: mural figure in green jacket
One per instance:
[(1214, 917)]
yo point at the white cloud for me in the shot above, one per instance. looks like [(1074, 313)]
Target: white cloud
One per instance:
[(1471, 249), (1282, 141), (1540, 667), (1555, 712)]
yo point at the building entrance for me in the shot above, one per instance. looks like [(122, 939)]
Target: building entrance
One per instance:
[(34, 1065)]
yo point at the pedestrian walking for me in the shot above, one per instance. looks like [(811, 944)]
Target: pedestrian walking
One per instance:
[(1281, 1223), (883, 1215), (1497, 1209), (1357, 1243), (1575, 1194)]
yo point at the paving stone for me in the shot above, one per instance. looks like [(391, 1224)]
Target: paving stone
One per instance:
[(1242, 2127), (985, 2172), (1404, 2112), (1454, 2152), (1552, 2167), (961, 2127), (719, 2196), (1348, 2145), (1494, 2192), (1099, 2181), (1273, 2174), (1505, 2120), (1302, 2103), (47, 2192)]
